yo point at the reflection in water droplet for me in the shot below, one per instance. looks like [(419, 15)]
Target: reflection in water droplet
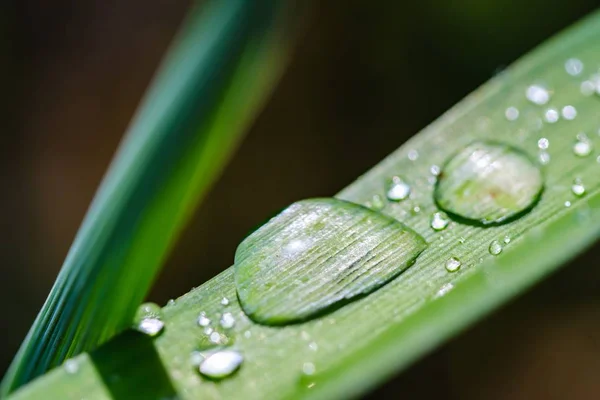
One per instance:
[(227, 321), (551, 115), (71, 366), (569, 112), (439, 221), (543, 143), (203, 320), (397, 189), (511, 113), (578, 189), (495, 248), (582, 148), (221, 364), (453, 264), (308, 368), (488, 182), (574, 66), (348, 251), (537, 94)]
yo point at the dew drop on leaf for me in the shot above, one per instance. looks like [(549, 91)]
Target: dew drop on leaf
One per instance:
[(71, 366), (148, 319), (537, 94), (495, 248), (439, 221), (488, 183), (220, 364), (578, 188), (551, 115), (227, 321), (511, 113), (574, 66), (343, 249), (151, 326), (203, 320), (582, 148), (569, 112), (453, 264), (397, 189)]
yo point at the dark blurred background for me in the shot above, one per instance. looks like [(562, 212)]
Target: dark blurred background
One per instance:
[(365, 77)]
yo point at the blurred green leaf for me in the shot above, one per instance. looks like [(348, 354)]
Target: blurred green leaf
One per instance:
[(216, 76), (357, 346)]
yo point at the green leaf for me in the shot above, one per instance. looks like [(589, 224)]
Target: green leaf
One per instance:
[(362, 343), (213, 81)]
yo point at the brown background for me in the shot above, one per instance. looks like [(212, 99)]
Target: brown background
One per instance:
[(365, 77)]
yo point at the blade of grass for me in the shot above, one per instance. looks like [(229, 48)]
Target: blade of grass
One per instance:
[(215, 78), (362, 343)]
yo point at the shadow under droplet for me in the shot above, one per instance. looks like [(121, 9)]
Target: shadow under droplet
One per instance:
[(131, 368)]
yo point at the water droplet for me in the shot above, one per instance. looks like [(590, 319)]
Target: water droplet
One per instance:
[(569, 112), (71, 366), (435, 170), (215, 337), (227, 321), (350, 251), (247, 334), (537, 94), (224, 301), (506, 239), (313, 346), (551, 115), (511, 113), (397, 189), (221, 364), (171, 302), (148, 310), (598, 159), (453, 264), (413, 155), (308, 368), (151, 326), (587, 88), (495, 248), (203, 320), (462, 240), (489, 183), (444, 290), (544, 158), (377, 202), (582, 148), (567, 204), (543, 143), (578, 188), (574, 66), (439, 221)]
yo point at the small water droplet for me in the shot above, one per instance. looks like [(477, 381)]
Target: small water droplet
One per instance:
[(569, 112), (462, 240), (506, 239), (511, 113), (587, 88), (439, 221), (203, 320), (582, 148), (247, 334), (71, 366), (544, 158), (543, 143), (313, 346), (171, 302), (551, 115), (215, 337), (227, 321), (221, 364), (453, 264), (413, 155), (377, 202), (488, 182), (567, 204), (537, 94), (308, 368), (148, 310), (208, 330), (495, 248), (435, 170), (151, 326), (598, 159), (224, 301), (574, 66), (416, 209), (397, 189), (578, 188)]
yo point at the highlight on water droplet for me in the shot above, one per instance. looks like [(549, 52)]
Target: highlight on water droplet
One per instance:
[(567, 204), (224, 301), (569, 112), (582, 148), (221, 364), (574, 66), (453, 264), (578, 188), (506, 239), (543, 143), (148, 319), (489, 183), (397, 189), (495, 248), (347, 251), (227, 321), (151, 326), (511, 113), (439, 221), (551, 115), (537, 94), (203, 320)]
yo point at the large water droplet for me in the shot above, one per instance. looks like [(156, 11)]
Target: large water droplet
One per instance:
[(489, 183), (343, 249), (397, 189), (148, 319), (495, 248), (221, 364), (453, 264), (537, 94)]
